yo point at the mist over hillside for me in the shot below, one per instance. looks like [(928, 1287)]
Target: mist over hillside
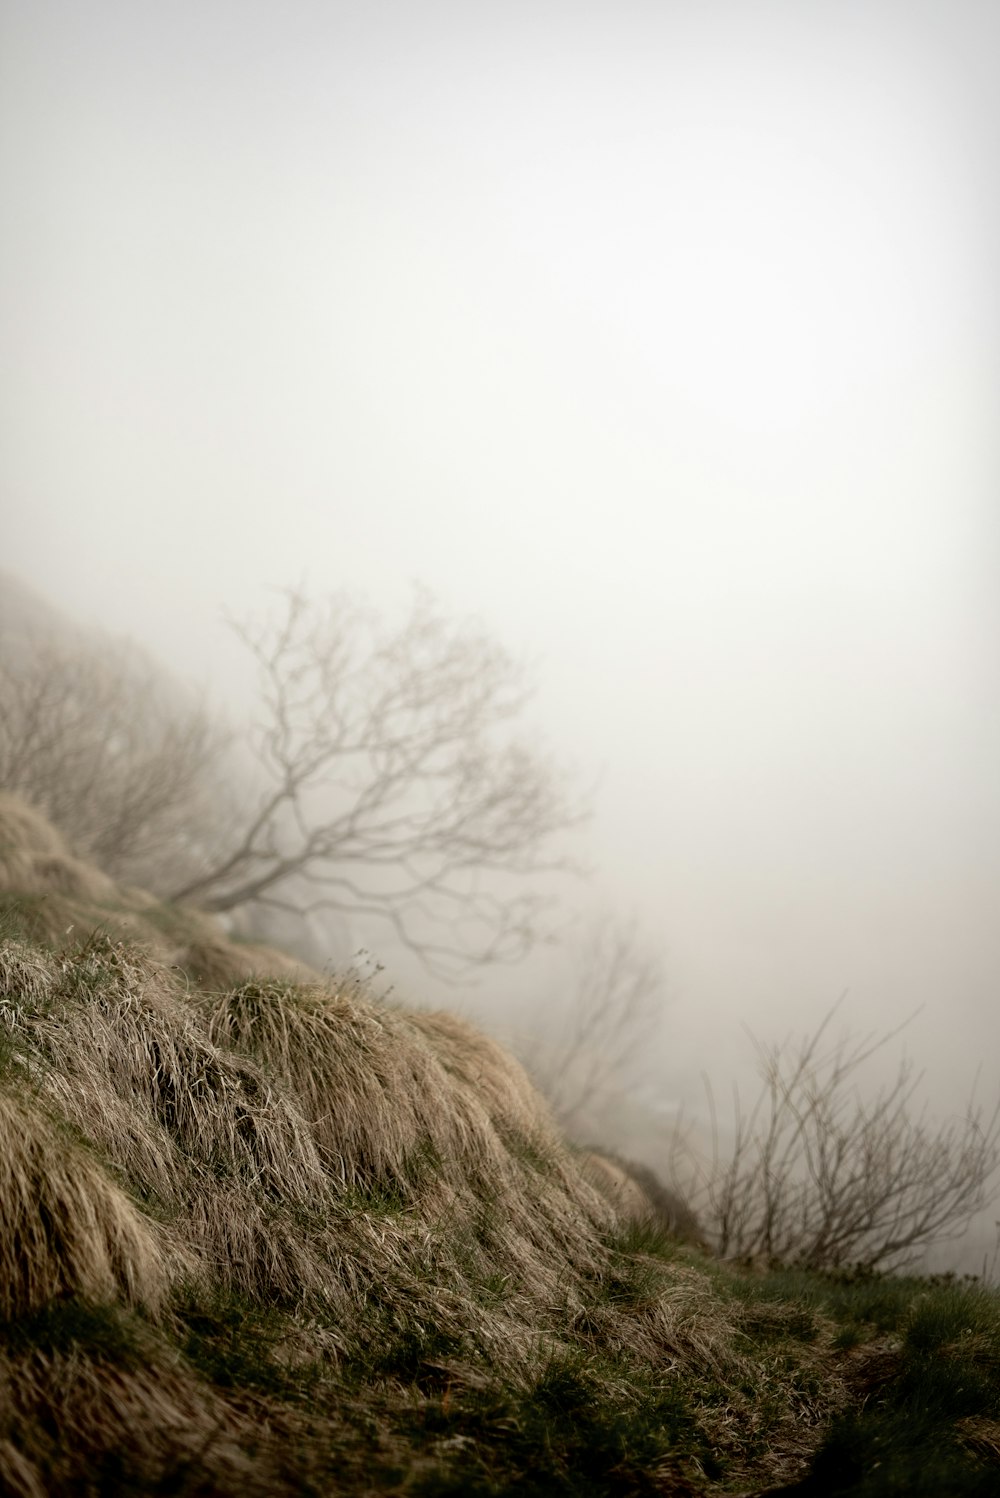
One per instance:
[(662, 345), (593, 1048)]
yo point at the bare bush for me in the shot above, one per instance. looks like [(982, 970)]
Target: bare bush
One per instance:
[(820, 1176), (97, 737), (392, 787), (601, 1048)]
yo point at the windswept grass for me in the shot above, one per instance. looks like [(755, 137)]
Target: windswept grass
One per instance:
[(65, 1227), (479, 1182), (95, 1401), (267, 1237)]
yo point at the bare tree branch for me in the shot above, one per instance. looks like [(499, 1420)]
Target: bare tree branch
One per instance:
[(391, 784)]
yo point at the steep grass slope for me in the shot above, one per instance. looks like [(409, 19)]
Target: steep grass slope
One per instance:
[(58, 897), (260, 1233)]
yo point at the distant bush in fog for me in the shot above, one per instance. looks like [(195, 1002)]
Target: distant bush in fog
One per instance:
[(600, 1045), (127, 765), (820, 1176)]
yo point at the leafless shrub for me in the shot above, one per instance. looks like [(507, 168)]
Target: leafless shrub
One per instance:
[(822, 1176), (614, 1011), (118, 757)]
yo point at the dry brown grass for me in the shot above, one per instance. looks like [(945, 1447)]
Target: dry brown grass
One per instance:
[(388, 1182), (638, 1194), (375, 1094), (198, 1132), (26, 978), (34, 858), (128, 1417), (481, 1066), (25, 830), (425, 1108), (59, 899), (615, 1184), (65, 1228), (213, 962)]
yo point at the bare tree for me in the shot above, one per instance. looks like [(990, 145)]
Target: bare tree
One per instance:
[(614, 1012), (391, 786), (117, 755), (821, 1177)]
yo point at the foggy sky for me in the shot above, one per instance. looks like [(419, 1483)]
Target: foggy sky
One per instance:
[(662, 338)]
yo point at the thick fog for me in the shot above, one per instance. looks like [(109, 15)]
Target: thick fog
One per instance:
[(662, 338)]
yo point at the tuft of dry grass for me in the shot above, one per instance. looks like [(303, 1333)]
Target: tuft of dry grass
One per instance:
[(638, 1194), (398, 1114), (376, 1096), (91, 1403), (200, 1133), (480, 1066), (25, 830), (616, 1185), (65, 1228)]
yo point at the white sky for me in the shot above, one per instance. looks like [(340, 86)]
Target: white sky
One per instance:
[(663, 337)]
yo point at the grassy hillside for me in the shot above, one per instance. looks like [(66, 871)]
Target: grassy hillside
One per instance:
[(260, 1233)]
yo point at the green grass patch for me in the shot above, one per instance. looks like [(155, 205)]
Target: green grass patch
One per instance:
[(237, 1344), (580, 1428), (917, 1407), (650, 1237), (528, 1149), (867, 1302), (630, 1281)]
